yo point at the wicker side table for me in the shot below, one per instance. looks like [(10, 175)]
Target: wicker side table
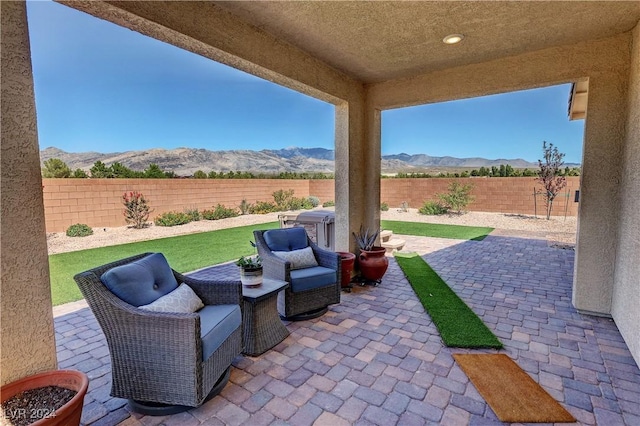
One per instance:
[(261, 322)]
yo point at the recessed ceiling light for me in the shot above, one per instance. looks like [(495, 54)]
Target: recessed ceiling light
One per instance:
[(453, 39)]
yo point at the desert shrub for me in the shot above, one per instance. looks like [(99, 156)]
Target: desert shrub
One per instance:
[(330, 203), (297, 204), (283, 198), (193, 213), (384, 207), (244, 206), (172, 219), (458, 197), (432, 208), (136, 209), (219, 212), (79, 230), (313, 200), (263, 207)]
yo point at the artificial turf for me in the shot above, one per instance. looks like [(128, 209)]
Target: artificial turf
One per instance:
[(457, 232), (458, 325), (185, 253)]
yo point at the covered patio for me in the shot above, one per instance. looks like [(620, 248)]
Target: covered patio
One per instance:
[(376, 358), (364, 58)]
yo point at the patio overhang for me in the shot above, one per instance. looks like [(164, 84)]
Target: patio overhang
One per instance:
[(365, 57)]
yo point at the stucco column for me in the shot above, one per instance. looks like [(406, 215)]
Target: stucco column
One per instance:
[(600, 192), (28, 344), (357, 170)]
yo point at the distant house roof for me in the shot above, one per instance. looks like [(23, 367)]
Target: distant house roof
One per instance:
[(578, 100)]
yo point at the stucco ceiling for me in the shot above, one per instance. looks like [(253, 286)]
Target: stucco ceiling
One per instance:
[(386, 40)]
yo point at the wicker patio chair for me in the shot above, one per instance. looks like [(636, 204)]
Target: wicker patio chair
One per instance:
[(312, 289), (158, 358)]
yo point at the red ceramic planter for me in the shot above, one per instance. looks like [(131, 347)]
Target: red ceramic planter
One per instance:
[(373, 263), (68, 414)]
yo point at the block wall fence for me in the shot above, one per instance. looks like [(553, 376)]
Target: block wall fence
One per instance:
[(97, 202)]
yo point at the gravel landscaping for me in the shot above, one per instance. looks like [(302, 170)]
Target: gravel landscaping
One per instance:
[(557, 230)]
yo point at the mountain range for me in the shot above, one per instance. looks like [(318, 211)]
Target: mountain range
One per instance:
[(185, 161)]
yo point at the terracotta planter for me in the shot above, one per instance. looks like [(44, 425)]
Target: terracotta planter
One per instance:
[(69, 413), (347, 260), (251, 277), (373, 263)]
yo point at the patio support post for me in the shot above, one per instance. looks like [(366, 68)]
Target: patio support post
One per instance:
[(351, 186), (27, 335)]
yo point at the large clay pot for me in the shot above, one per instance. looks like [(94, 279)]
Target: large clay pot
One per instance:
[(373, 263), (67, 415)]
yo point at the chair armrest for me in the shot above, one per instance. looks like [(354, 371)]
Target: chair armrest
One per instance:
[(214, 292), (326, 258), (275, 267)]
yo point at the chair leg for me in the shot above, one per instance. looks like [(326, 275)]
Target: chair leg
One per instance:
[(158, 409), (307, 315)]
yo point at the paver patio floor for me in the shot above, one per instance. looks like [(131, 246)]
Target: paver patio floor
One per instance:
[(376, 358)]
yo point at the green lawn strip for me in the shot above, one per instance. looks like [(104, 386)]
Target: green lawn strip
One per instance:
[(421, 229), (458, 325), (184, 252)]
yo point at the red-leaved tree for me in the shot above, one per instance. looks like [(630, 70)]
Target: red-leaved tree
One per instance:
[(136, 209), (549, 174)]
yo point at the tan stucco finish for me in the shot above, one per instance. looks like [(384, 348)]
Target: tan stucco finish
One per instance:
[(389, 40), (27, 336), (626, 293), (363, 57)]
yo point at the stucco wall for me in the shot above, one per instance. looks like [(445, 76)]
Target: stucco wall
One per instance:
[(626, 295), (26, 317), (97, 202)]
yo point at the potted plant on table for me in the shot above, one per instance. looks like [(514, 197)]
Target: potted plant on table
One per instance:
[(371, 260), (250, 270)]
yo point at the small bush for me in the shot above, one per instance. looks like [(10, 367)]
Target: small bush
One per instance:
[(283, 198), (433, 208), (219, 212), (244, 206), (384, 207), (297, 204), (172, 219), (263, 207), (136, 209), (329, 203), (458, 197), (314, 201), (193, 213), (79, 230)]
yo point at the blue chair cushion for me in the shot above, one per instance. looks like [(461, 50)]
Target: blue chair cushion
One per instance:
[(142, 281), (286, 239), (217, 322), (310, 278)]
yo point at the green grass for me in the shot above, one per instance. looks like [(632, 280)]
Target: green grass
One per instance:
[(458, 325), (185, 253), (456, 232)]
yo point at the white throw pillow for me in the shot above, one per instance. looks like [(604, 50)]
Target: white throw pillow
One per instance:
[(303, 258), (182, 300)]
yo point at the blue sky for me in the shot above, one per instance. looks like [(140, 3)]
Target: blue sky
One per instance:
[(100, 87)]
